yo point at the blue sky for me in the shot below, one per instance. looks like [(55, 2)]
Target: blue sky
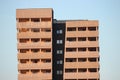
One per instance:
[(106, 11)]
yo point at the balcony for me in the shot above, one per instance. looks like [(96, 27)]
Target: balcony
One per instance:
[(80, 75), (82, 44), (34, 45), (81, 65), (81, 33), (35, 66), (38, 76), (81, 54), (34, 55), (34, 35), (34, 25)]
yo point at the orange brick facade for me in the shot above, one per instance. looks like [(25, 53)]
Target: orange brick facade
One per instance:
[(50, 49)]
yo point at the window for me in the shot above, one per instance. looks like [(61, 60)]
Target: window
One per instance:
[(92, 70), (82, 49), (59, 31), (92, 28), (35, 60), (45, 19), (24, 40), (46, 60), (46, 40), (35, 19), (59, 72), (46, 71), (24, 50), (46, 29), (81, 28), (35, 39), (82, 59), (71, 39), (24, 60), (24, 30), (71, 29), (71, 59), (71, 49), (46, 50), (82, 70), (70, 70), (35, 71), (82, 39), (59, 41), (59, 51), (59, 62), (92, 59), (35, 30), (35, 50), (92, 49), (24, 71), (91, 38), (23, 19)]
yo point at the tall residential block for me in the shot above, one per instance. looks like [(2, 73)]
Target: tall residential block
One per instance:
[(50, 49)]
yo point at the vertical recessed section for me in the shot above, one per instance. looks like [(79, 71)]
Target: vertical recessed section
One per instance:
[(58, 42)]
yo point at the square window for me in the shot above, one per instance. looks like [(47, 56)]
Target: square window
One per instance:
[(59, 72), (59, 31), (59, 51), (59, 41)]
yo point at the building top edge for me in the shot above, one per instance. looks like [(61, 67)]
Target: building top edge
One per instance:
[(63, 21), (32, 8)]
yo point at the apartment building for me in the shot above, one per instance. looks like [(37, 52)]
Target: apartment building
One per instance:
[(50, 49)]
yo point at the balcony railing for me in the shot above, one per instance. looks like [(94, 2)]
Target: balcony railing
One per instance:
[(34, 25)]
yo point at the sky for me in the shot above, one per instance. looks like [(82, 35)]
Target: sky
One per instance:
[(106, 11)]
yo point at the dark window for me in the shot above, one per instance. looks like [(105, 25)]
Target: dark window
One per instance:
[(70, 70), (71, 39), (71, 49), (35, 19), (23, 19), (46, 50), (91, 38), (92, 28), (46, 60), (82, 39), (45, 19), (46, 71), (81, 28), (92, 49), (92, 70), (71, 59), (35, 60), (71, 29), (23, 40), (35, 50), (24, 50), (82, 59), (81, 49), (92, 59), (24, 60), (82, 70), (35, 71), (35, 39), (35, 30), (46, 30)]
